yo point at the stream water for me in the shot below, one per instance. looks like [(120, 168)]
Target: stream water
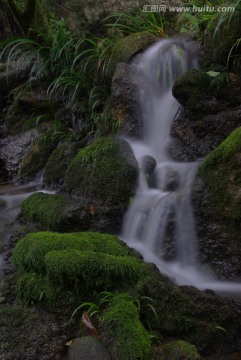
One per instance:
[(160, 222), (11, 197)]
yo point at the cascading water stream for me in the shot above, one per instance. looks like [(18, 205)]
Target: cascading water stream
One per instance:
[(160, 223)]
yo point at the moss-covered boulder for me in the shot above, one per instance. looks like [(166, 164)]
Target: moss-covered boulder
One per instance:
[(191, 89), (124, 335), (217, 201), (31, 250), (55, 169), (180, 350), (105, 171), (57, 212), (77, 262), (126, 48)]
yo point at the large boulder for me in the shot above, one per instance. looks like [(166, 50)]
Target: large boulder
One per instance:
[(86, 348), (217, 201), (105, 171)]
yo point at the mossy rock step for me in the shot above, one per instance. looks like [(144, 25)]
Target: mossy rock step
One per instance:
[(78, 261), (56, 212), (31, 250), (105, 171), (221, 171), (126, 48)]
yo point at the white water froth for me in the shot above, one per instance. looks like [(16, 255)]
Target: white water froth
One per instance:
[(160, 222)]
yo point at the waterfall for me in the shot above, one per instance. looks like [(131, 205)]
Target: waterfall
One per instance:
[(160, 222)]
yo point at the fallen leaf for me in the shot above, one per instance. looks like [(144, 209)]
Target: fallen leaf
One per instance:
[(92, 210), (69, 343), (88, 324)]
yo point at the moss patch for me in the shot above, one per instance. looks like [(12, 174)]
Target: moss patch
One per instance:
[(76, 262), (31, 250), (221, 171), (125, 337), (104, 172), (56, 212), (125, 49), (180, 350)]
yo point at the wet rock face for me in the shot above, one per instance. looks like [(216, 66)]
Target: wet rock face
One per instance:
[(210, 113), (13, 149), (217, 247), (148, 164), (125, 105), (200, 134)]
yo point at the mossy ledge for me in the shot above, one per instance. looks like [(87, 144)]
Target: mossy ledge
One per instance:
[(78, 261), (221, 172), (56, 212), (105, 171)]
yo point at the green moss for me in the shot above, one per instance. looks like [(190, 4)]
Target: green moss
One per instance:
[(180, 350), (101, 172), (222, 173), (191, 88), (58, 162), (29, 253), (56, 212), (126, 48), (33, 288), (91, 270), (126, 337)]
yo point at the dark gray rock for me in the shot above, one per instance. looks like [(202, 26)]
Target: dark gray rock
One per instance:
[(124, 103), (218, 248), (171, 180), (200, 134), (148, 164), (13, 149), (87, 348)]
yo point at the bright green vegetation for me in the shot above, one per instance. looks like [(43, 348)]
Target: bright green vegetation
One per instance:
[(31, 250), (100, 172), (56, 212), (76, 262), (131, 341), (219, 32), (92, 270), (178, 350), (221, 172)]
